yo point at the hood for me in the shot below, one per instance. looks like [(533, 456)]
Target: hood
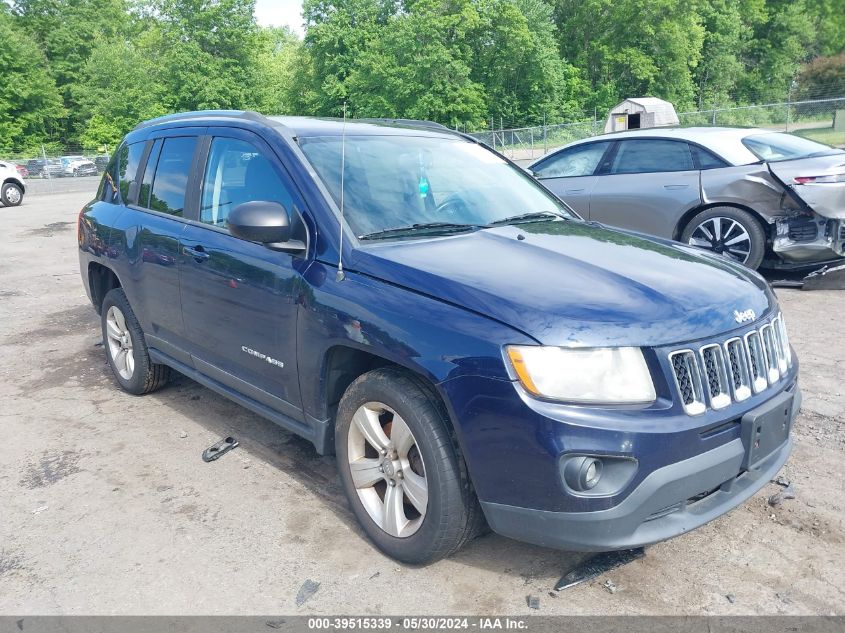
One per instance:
[(825, 198), (575, 283)]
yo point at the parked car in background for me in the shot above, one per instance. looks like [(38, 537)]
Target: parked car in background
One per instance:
[(78, 166), (752, 195), (45, 168), (101, 162), (12, 184), (405, 298)]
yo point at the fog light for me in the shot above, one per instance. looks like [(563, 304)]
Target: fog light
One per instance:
[(582, 473)]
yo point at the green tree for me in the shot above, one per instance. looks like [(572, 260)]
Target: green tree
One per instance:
[(829, 19), (419, 66), (515, 58), (782, 39), (338, 33), (67, 31), (725, 38), (821, 77), (204, 52), (279, 61), (120, 87), (634, 48), (30, 103)]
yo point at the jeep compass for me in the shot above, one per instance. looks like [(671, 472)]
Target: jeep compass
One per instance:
[(473, 352)]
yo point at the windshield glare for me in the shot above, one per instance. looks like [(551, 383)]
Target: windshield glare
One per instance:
[(397, 181), (777, 146)]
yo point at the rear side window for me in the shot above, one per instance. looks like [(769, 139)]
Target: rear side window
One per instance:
[(705, 159), (643, 156), (128, 159), (576, 161), (170, 181)]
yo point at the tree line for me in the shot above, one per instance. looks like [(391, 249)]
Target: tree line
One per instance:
[(86, 71)]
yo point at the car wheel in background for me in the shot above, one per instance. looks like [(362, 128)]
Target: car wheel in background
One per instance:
[(729, 231), (11, 195), (126, 349), (400, 470)]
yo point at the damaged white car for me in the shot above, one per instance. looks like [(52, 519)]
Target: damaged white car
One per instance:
[(759, 197)]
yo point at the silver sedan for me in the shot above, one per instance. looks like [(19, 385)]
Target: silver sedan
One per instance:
[(753, 195)]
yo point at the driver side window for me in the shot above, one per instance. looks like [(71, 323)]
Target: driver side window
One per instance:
[(237, 172), (581, 160)]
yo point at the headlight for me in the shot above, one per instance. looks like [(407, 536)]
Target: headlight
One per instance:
[(610, 375)]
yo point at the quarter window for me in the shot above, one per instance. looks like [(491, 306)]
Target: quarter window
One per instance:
[(149, 172), (705, 159), (237, 172), (108, 185), (128, 160), (581, 160), (644, 156), (170, 181)]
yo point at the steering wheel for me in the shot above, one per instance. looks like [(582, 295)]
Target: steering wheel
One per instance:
[(453, 205)]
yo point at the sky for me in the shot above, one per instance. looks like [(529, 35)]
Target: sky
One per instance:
[(280, 13)]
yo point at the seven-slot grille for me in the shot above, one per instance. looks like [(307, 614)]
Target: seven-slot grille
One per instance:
[(720, 373)]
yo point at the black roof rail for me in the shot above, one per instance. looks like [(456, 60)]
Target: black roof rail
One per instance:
[(416, 122), (200, 114)]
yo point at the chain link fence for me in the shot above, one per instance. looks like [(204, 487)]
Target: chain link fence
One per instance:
[(815, 119)]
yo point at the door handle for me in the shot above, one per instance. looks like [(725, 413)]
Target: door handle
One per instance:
[(571, 191), (197, 252), (676, 186)]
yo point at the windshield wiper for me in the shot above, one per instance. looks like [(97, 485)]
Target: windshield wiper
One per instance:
[(432, 227), (527, 217)]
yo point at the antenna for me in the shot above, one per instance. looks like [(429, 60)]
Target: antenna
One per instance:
[(340, 276)]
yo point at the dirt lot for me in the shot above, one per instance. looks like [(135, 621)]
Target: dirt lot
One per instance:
[(107, 508)]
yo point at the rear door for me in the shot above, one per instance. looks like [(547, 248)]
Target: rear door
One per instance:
[(163, 194), (239, 298), (646, 185), (569, 173)]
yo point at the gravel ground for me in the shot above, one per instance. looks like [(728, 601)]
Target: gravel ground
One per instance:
[(107, 508)]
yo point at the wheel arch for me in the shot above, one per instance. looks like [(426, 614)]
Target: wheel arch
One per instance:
[(11, 180), (101, 280), (689, 215), (343, 364)]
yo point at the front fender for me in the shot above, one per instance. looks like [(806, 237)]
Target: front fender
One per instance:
[(431, 338)]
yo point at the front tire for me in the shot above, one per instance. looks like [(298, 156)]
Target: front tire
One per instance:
[(11, 195), (400, 470), (126, 349), (729, 231)]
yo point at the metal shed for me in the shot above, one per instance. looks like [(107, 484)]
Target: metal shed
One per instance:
[(641, 112)]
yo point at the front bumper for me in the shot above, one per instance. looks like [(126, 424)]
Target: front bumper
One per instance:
[(669, 502)]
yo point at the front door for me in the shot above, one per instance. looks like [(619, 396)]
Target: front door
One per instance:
[(569, 173), (239, 298)]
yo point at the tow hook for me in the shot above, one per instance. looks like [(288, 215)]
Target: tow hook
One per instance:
[(217, 450)]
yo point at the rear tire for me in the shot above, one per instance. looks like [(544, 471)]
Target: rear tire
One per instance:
[(388, 407), (729, 231), (11, 195), (126, 349)]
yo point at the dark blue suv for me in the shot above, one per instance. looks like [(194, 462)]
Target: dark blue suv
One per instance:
[(471, 350)]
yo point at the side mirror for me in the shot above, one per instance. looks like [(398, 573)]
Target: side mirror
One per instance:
[(264, 222)]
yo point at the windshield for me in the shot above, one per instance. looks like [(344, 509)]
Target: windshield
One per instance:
[(775, 146), (400, 181)]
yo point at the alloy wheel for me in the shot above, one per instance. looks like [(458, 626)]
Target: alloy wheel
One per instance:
[(387, 469), (120, 343), (723, 235)]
